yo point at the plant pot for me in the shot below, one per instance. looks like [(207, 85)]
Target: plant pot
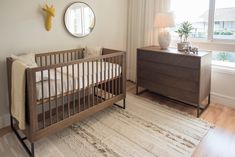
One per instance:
[(183, 46)]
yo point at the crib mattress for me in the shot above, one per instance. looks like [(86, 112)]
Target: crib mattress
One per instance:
[(66, 79)]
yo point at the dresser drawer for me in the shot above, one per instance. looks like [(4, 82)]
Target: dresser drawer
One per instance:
[(182, 73), (171, 59), (172, 92), (174, 74), (166, 80)]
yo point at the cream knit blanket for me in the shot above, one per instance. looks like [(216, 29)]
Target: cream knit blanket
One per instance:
[(18, 92)]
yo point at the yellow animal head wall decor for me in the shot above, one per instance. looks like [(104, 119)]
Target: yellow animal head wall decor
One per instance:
[(50, 12)]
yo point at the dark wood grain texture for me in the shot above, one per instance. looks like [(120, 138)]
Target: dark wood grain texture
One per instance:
[(184, 77), (53, 113)]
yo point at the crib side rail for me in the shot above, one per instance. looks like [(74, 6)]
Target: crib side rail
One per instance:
[(63, 64), (75, 98), (57, 57)]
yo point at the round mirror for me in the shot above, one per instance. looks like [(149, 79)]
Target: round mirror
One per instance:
[(79, 19)]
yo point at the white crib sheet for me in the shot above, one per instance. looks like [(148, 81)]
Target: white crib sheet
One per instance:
[(109, 70)]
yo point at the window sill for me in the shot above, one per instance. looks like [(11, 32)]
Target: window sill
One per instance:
[(216, 45), (223, 67)]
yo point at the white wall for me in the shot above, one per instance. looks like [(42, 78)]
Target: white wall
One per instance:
[(22, 30), (223, 86)]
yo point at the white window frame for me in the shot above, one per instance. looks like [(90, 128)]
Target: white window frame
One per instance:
[(211, 23), (210, 43)]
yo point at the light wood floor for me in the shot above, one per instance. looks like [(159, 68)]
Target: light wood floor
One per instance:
[(220, 141)]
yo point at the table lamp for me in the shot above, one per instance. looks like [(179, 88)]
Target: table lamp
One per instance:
[(163, 21)]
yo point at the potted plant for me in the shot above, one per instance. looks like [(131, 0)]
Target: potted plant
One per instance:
[(184, 32)]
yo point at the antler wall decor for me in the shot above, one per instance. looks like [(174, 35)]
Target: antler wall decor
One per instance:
[(50, 12)]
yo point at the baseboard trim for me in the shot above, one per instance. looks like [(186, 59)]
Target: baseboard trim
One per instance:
[(223, 99), (5, 130)]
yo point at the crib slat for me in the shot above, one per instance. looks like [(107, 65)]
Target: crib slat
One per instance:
[(43, 110), (109, 84), (68, 94), (101, 80), (76, 54), (59, 58), (97, 82), (67, 57), (46, 60), (73, 89), (78, 75), (62, 91), (83, 85), (105, 78), (119, 72), (56, 96), (55, 62), (93, 98), (88, 83), (49, 91), (116, 89), (41, 61), (50, 59), (112, 61)]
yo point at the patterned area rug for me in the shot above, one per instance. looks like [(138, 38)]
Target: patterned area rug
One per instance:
[(144, 129)]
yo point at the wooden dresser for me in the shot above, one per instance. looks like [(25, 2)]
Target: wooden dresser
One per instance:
[(176, 75)]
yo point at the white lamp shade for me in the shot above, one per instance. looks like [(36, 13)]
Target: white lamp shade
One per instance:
[(164, 20)]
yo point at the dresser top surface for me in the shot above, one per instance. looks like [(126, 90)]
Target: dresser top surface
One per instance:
[(173, 51)]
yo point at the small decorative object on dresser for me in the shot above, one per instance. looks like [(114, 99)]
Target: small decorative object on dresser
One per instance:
[(184, 31), (176, 75), (163, 21)]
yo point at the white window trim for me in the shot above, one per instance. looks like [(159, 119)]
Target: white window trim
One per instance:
[(210, 34), (211, 17), (212, 44)]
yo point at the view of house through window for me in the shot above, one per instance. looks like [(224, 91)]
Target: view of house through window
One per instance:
[(224, 26), (192, 11), (197, 13)]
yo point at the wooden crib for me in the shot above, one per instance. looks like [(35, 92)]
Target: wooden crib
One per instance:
[(74, 88)]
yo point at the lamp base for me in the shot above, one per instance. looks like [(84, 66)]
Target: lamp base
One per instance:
[(164, 39)]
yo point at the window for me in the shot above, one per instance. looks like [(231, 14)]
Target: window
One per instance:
[(224, 58), (224, 18), (193, 13), (211, 19)]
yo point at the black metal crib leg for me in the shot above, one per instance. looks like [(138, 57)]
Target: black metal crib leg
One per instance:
[(22, 140), (123, 105), (32, 149)]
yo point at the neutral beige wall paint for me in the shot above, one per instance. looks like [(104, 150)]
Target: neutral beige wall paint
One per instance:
[(22, 31)]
